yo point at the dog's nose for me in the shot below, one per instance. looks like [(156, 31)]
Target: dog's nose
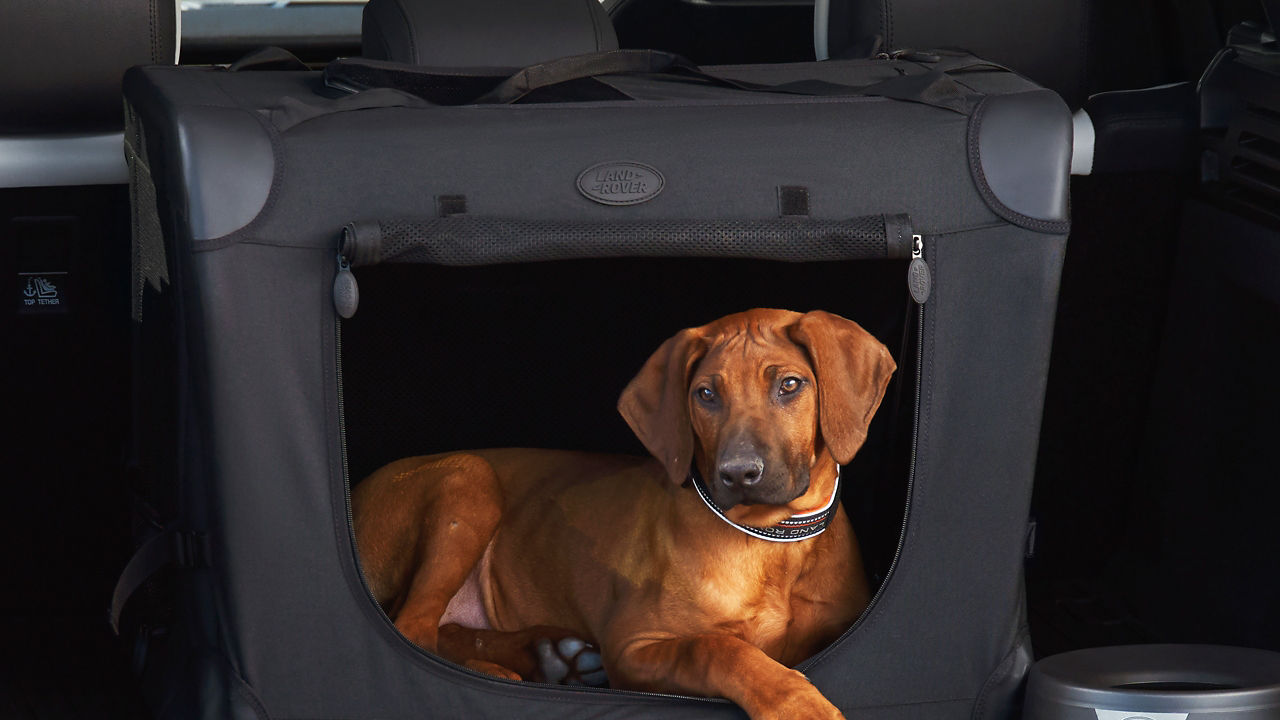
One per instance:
[(741, 470)]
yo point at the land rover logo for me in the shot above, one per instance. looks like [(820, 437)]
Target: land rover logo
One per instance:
[(620, 183)]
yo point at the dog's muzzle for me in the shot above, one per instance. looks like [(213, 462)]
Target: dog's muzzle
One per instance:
[(797, 527)]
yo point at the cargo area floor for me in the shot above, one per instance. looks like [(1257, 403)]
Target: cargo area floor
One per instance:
[(64, 666)]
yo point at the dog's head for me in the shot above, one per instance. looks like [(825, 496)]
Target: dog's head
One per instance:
[(756, 399)]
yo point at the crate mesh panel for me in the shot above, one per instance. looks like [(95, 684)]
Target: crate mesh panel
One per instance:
[(482, 241)]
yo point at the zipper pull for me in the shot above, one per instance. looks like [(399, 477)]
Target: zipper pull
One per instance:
[(919, 279), (346, 292)]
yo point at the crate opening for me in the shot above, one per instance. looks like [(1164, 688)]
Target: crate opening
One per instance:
[(534, 355)]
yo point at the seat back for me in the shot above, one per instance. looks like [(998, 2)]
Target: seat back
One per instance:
[(1045, 41), (64, 269), (60, 107), (484, 33), (63, 60)]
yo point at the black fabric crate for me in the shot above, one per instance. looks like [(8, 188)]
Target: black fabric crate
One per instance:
[(254, 177)]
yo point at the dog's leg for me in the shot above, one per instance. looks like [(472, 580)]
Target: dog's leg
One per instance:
[(457, 503), (719, 666), (540, 653), (450, 508)]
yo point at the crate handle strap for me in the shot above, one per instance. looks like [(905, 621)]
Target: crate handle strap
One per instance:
[(935, 87), (466, 240)]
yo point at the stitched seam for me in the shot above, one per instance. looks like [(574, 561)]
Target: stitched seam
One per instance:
[(1002, 669), (249, 697), (595, 25), (273, 195), (980, 179), (1005, 211), (886, 21), (151, 22), (1084, 24), (1001, 672), (916, 499)]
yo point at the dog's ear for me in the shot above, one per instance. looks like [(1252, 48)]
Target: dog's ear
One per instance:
[(656, 406), (853, 371)]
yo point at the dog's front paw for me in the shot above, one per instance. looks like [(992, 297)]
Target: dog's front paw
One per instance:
[(804, 708), (791, 698), (570, 661)]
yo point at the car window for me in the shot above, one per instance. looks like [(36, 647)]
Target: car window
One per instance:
[(221, 31)]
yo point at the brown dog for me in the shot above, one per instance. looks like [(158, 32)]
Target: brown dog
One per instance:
[(506, 561)]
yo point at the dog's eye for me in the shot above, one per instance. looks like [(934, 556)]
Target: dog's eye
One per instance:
[(789, 385), (706, 394)]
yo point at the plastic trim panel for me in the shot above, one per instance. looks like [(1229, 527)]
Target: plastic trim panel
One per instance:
[(63, 160)]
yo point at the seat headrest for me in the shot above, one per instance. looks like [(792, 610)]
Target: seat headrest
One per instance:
[(1043, 40), (62, 61), (484, 33)]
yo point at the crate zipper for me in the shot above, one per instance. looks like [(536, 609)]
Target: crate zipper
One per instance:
[(918, 277), (917, 274), (919, 283)]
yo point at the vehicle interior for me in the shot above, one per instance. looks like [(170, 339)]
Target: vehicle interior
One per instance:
[(1156, 476)]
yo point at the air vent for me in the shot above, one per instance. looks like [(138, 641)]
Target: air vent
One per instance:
[(1242, 149), (1252, 174)]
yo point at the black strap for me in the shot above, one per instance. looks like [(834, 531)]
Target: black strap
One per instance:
[(935, 87), (463, 86), (581, 67), (168, 548)]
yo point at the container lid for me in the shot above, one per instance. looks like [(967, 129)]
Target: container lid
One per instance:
[(1159, 678)]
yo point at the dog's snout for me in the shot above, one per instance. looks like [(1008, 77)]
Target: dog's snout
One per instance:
[(741, 470)]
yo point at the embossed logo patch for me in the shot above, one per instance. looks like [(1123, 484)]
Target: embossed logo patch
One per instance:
[(620, 183)]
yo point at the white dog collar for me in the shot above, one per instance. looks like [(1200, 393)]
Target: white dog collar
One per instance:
[(793, 529)]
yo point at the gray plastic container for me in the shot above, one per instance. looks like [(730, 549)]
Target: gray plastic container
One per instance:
[(1155, 682)]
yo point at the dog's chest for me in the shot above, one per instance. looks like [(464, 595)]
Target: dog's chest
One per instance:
[(764, 603)]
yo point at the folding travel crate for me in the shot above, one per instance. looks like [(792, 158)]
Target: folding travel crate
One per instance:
[(514, 264)]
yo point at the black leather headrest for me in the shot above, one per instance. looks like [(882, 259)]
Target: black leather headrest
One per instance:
[(484, 33), (61, 61), (1041, 39)]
